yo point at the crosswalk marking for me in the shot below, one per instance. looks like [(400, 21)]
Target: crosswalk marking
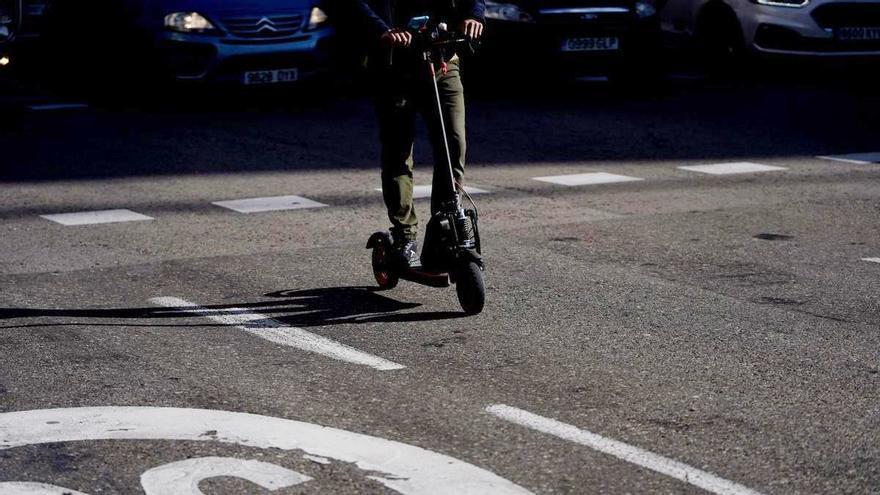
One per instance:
[(731, 168), (857, 158), (871, 260), (271, 203), (57, 106), (96, 217), (591, 178), (422, 192)]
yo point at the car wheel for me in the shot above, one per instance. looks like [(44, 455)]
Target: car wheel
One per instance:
[(720, 42)]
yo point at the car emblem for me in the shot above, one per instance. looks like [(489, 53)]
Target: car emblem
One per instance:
[(589, 17), (266, 24)]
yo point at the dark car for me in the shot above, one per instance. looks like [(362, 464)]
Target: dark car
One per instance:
[(240, 41), (616, 37)]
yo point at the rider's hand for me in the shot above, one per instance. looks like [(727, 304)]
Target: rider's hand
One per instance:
[(396, 37), (472, 28)]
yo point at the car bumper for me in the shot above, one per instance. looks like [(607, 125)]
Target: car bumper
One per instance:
[(542, 44), (215, 59), (811, 31)]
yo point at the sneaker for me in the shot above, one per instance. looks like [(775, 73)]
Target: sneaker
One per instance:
[(405, 252)]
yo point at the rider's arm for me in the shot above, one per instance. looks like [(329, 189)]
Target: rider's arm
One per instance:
[(360, 15)]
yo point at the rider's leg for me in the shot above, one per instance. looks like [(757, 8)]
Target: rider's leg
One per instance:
[(396, 114)]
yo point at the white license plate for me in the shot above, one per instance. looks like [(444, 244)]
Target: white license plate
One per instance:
[(594, 44), (858, 33), (269, 76)]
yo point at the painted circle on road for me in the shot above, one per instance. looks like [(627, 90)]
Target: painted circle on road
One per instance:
[(401, 467)]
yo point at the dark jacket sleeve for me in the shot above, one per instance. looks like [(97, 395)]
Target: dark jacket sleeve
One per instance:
[(357, 15), (473, 9)]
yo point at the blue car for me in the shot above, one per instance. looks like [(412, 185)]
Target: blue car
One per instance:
[(250, 42)]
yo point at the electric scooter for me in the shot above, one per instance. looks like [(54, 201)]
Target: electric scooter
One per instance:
[(451, 252), (10, 21)]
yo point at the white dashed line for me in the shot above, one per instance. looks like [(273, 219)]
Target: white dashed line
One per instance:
[(871, 260), (280, 333), (623, 451), (857, 158), (586, 179), (732, 168), (422, 192), (57, 106), (272, 203), (96, 217)]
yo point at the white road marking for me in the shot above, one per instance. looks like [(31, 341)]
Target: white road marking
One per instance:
[(422, 192), (280, 333), (272, 203), (57, 106), (96, 217), (732, 168), (586, 179), (623, 451), (31, 488), (403, 468), (872, 260), (183, 477), (857, 158)]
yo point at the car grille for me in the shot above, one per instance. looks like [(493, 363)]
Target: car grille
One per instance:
[(584, 15), (269, 26), (834, 15)]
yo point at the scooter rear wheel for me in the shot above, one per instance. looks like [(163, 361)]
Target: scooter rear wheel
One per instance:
[(469, 287), (386, 278)]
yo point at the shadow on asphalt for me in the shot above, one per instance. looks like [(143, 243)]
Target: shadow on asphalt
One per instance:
[(300, 308)]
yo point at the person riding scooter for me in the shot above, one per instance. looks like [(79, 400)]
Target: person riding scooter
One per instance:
[(401, 91)]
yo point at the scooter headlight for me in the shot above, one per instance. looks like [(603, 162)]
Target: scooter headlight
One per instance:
[(188, 22), (506, 12), (5, 60)]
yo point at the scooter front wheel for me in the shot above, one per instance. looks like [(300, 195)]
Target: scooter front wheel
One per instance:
[(385, 277), (469, 287)]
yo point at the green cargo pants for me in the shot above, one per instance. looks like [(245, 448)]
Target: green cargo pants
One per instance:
[(398, 99)]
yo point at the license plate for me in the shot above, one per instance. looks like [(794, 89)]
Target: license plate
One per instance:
[(858, 33), (595, 44), (269, 76)]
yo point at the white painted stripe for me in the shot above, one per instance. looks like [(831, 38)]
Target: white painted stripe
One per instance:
[(623, 451), (272, 203), (280, 333), (57, 106), (398, 466), (96, 217), (422, 192), (732, 168), (857, 158), (586, 179), (872, 260)]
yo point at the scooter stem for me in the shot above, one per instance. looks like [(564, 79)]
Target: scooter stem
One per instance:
[(451, 176)]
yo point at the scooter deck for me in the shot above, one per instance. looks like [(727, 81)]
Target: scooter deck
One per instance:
[(419, 275)]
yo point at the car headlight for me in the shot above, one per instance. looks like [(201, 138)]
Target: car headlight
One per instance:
[(317, 18), (188, 22), (506, 12), (645, 9), (796, 4)]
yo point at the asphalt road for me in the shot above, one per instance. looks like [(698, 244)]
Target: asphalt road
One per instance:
[(683, 333)]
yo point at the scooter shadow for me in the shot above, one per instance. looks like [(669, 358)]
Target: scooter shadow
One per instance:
[(347, 305)]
